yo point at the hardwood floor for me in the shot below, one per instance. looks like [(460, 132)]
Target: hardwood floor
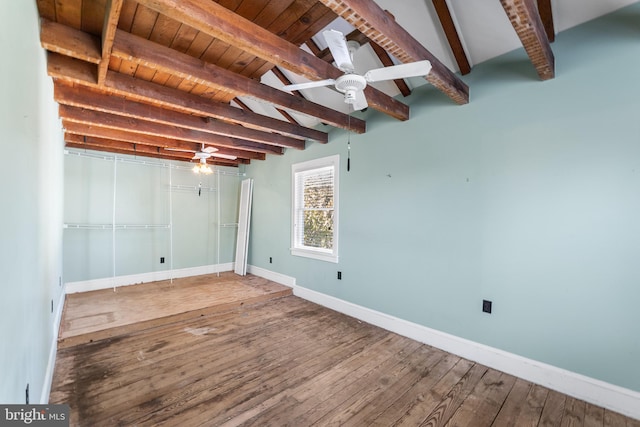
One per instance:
[(281, 361), (90, 316)]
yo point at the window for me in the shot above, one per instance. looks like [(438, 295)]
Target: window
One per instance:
[(314, 220)]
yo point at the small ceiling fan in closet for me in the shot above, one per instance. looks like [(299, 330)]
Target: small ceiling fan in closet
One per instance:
[(352, 85), (202, 156)]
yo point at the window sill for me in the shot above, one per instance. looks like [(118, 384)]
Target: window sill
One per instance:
[(315, 255)]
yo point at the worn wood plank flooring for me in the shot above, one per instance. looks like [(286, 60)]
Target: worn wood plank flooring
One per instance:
[(130, 308), (257, 356)]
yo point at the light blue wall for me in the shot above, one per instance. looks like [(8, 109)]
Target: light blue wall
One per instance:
[(142, 198), (31, 213), (528, 196)]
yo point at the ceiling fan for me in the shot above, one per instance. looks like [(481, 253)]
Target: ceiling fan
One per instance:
[(352, 84), (204, 153)]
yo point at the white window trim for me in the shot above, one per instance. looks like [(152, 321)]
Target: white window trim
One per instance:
[(317, 253)]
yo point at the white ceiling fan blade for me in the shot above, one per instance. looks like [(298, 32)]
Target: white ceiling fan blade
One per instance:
[(412, 69), (361, 101), (309, 85), (224, 156), (209, 149), (339, 49)]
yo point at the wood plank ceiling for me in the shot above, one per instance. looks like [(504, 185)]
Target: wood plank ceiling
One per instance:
[(148, 76)]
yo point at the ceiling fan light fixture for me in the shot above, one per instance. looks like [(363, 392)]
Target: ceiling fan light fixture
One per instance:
[(202, 167)]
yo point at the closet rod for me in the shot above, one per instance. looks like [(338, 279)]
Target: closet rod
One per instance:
[(118, 226)]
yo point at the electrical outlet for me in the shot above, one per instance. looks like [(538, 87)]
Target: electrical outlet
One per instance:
[(486, 306), (161, 260), (60, 281), (26, 394), (339, 275), (270, 260), (52, 306)]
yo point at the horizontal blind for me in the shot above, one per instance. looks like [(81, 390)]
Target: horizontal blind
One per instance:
[(314, 204)]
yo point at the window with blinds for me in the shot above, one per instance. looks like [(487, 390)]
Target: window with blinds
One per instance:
[(315, 208)]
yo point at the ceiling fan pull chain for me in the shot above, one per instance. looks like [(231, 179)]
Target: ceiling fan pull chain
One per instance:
[(349, 144)]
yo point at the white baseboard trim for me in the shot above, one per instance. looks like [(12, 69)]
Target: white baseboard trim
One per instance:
[(597, 392), (48, 375), (272, 275), (133, 279), (53, 350)]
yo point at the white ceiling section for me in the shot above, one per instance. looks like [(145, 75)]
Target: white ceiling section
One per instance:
[(483, 25)]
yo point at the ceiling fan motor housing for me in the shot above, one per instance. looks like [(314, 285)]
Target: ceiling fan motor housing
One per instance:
[(350, 84)]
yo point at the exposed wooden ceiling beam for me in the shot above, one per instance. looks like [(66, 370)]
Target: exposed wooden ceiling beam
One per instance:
[(374, 22), (141, 51), (97, 131), (182, 101), (314, 48), (94, 100), (525, 19), (111, 17), (86, 131), (546, 14), (47, 9), (311, 22), (64, 67), (118, 150), (223, 24), (315, 17), (71, 69), (122, 145), (83, 146), (450, 31), (67, 41), (79, 115), (93, 143)]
